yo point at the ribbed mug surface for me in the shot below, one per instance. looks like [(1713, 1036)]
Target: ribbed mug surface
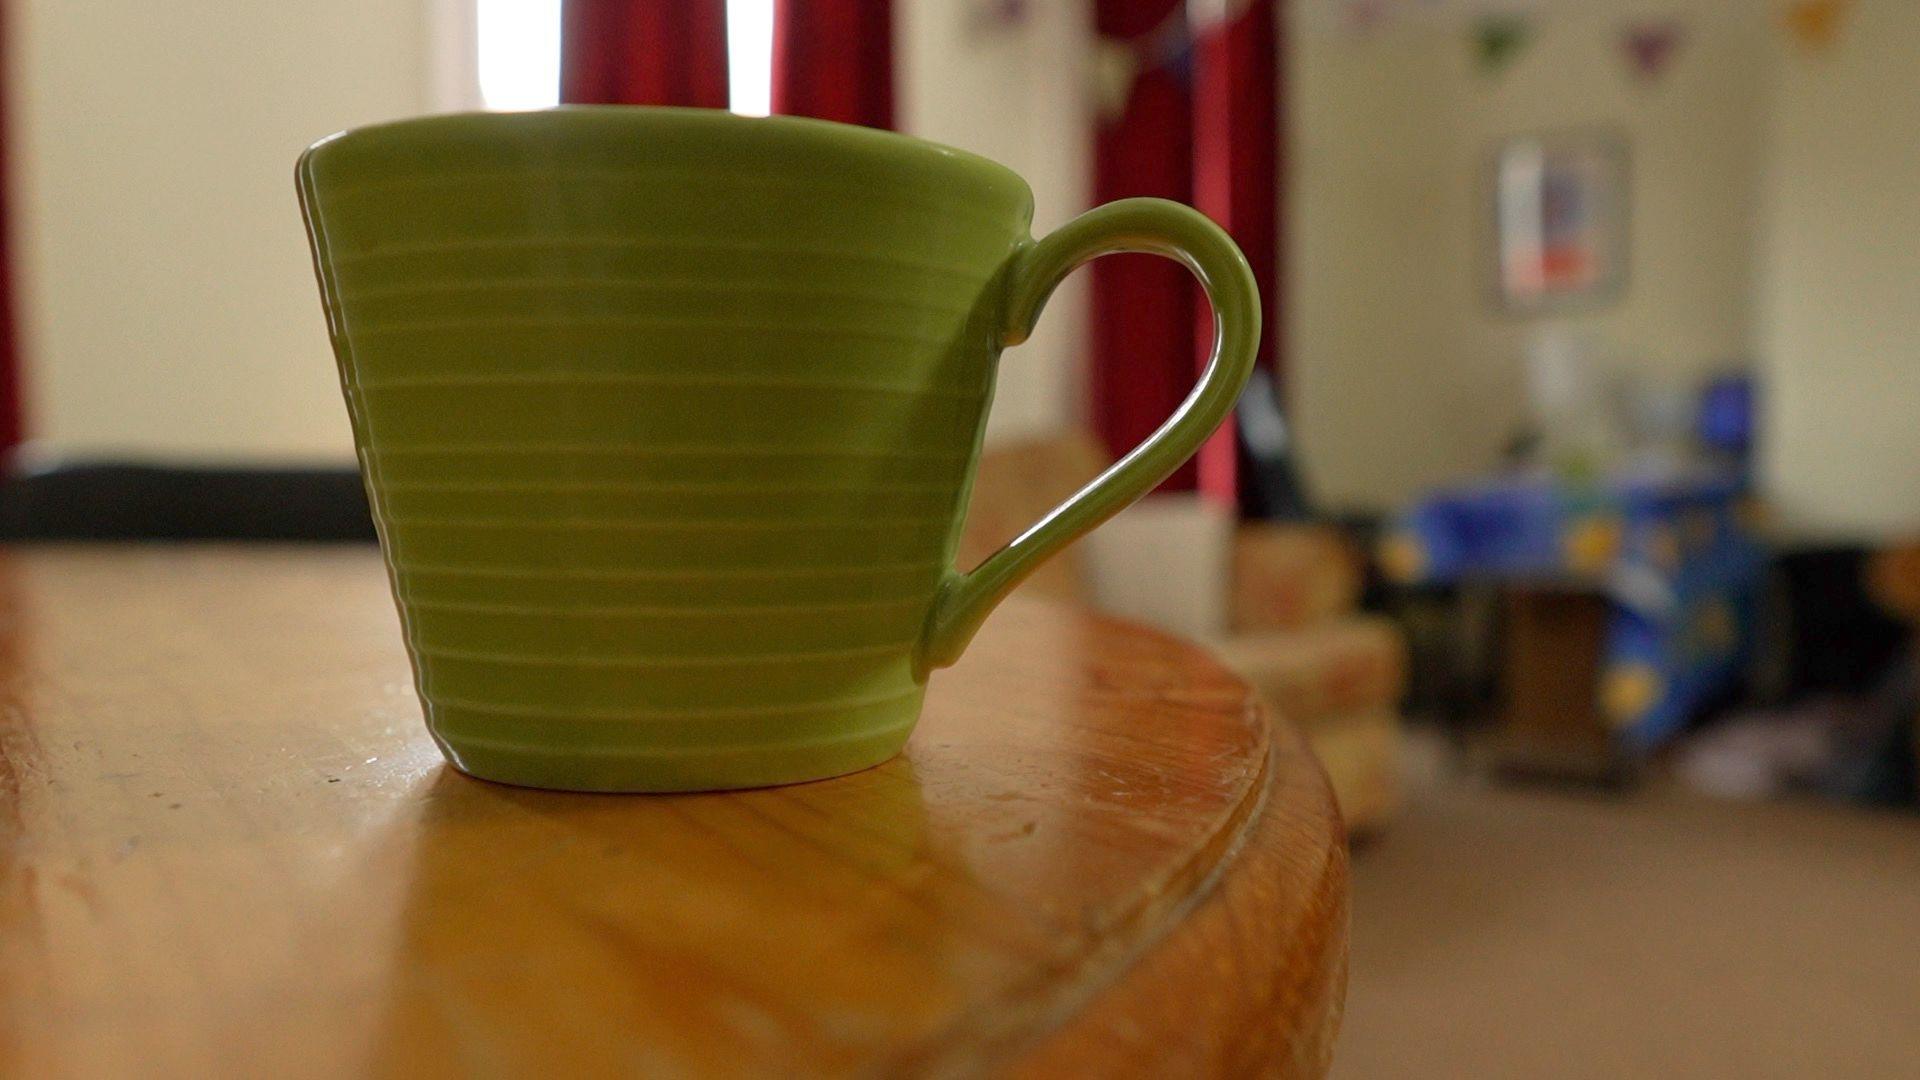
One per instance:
[(667, 420)]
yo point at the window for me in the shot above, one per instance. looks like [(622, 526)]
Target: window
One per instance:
[(519, 53), (750, 56)]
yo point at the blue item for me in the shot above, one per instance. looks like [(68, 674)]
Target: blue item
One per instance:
[(1676, 556), (1726, 415)]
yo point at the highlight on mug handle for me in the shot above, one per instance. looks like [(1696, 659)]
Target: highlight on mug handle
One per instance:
[(1158, 227)]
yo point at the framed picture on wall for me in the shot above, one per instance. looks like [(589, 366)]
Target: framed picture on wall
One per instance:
[(1560, 221)]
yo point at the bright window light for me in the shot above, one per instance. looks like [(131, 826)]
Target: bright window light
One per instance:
[(519, 53), (750, 56)]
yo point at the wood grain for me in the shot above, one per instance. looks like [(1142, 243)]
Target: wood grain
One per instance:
[(227, 847)]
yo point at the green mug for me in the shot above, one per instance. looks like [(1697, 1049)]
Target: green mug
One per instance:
[(668, 419)]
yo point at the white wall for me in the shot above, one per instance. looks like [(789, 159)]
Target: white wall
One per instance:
[(1018, 95), (1842, 297), (1404, 373), (169, 304)]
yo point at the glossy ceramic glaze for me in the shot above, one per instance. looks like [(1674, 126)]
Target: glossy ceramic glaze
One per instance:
[(668, 419)]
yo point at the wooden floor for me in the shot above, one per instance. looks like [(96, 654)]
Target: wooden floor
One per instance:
[(1528, 933)]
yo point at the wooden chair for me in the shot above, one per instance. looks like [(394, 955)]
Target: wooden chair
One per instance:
[(1296, 633)]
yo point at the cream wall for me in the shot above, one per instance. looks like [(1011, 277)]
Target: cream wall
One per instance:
[(1016, 94), (1842, 290), (1404, 374), (1379, 402), (169, 305)]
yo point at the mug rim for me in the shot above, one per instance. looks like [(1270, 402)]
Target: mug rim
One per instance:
[(826, 133)]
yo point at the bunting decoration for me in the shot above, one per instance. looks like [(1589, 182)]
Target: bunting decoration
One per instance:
[(1815, 24), (989, 17), (1118, 62), (1650, 46), (1364, 17), (1498, 40), (1114, 70), (1500, 31)]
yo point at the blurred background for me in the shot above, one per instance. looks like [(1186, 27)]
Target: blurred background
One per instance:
[(1572, 513)]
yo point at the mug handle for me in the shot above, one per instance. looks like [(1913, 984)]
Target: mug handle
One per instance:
[(1158, 227)]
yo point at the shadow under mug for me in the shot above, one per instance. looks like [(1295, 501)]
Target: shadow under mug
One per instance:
[(669, 417)]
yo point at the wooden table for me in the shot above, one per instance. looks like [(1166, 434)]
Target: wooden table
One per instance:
[(228, 848)]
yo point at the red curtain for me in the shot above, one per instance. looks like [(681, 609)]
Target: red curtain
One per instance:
[(833, 60), (644, 52), (1236, 177), (1141, 363), (1200, 125)]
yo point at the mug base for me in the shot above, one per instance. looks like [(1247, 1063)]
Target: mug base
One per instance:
[(637, 771)]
